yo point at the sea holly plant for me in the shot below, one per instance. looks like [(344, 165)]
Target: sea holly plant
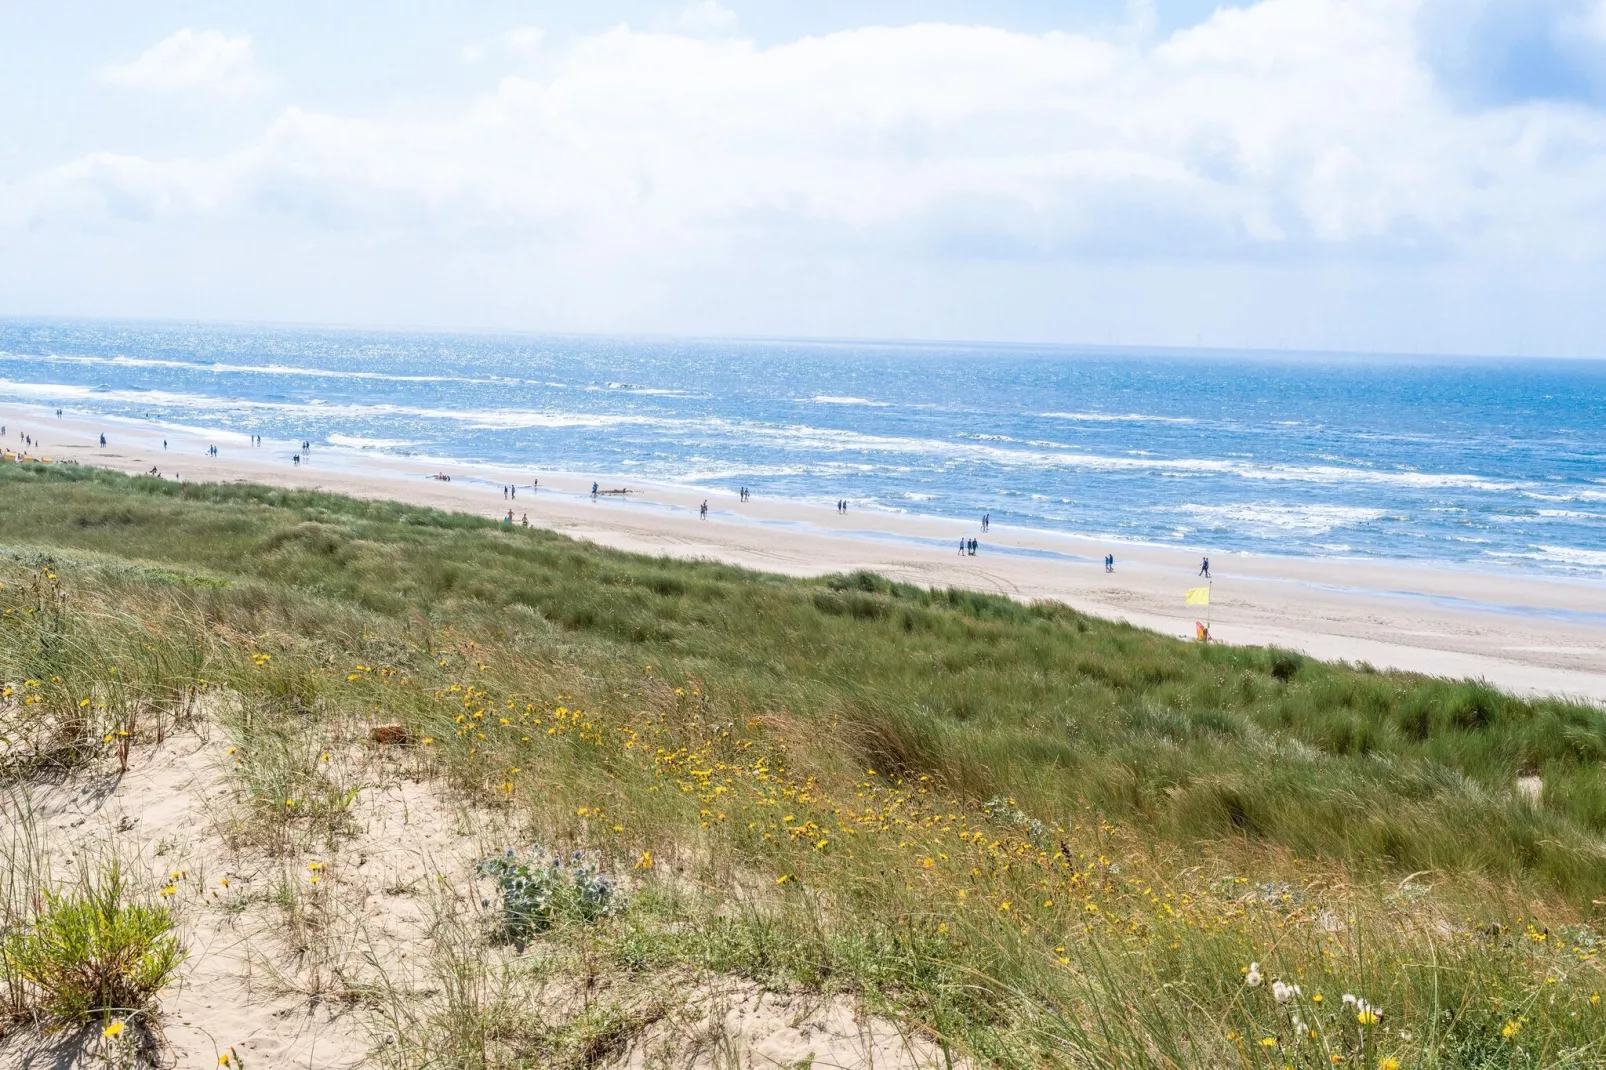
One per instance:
[(544, 890)]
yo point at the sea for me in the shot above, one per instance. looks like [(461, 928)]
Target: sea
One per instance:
[(1492, 464)]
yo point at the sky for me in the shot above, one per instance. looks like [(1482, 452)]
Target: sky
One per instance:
[(1378, 175)]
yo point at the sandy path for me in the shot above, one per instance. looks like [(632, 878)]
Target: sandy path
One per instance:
[(1530, 634)]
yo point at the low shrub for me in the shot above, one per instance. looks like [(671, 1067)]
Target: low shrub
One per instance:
[(91, 953), (544, 891)]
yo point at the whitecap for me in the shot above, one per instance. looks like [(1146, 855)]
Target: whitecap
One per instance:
[(833, 399)]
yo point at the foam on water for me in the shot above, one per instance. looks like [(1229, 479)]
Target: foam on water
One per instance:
[(1497, 464)]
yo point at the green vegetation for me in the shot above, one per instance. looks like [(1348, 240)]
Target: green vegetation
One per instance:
[(538, 893), (1037, 837), (91, 954)]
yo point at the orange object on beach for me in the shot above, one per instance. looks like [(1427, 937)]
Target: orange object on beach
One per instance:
[(1201, 631)]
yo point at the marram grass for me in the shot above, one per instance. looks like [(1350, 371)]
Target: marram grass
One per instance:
[(1038, 838)]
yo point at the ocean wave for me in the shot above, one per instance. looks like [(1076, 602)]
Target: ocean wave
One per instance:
[(1116, 417), (833, 399), (1573, 496), (836, 440), (1272, 518), (362, 443), (221, 368), (646, 391), (484, 419), (1571, 557)]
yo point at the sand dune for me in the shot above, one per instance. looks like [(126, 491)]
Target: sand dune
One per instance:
[(1530, 634)]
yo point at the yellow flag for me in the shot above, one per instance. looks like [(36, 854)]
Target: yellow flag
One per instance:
[(1198, 596)]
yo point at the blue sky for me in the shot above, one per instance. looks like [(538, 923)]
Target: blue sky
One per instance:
[(1395, 175)]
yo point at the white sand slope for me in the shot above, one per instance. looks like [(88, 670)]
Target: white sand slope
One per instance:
[(350, 975)]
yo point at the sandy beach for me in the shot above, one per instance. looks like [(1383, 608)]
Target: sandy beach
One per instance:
[(1530, 634)]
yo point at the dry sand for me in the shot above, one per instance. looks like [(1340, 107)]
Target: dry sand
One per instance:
[(1530, 634), (352, 975)]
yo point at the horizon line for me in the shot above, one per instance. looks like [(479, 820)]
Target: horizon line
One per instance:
[(1202, 351)]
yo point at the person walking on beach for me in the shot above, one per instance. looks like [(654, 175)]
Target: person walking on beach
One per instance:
[(103, 441), (986, 519), (703, 512), (964, 544), (1204, 568), (593, 492), (1109, 562), (526, 520)]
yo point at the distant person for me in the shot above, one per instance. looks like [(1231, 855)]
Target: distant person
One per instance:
[(973, 545), (512, 491), (1204, 568), (964, 544), (504, 493), (1109, 562), (986, 520), (102, 438), (526, 520), (295, 458), (164, 443), (704, 510), (509, 518), (593, 490)]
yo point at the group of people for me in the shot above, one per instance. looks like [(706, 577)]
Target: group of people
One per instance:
[(746, 495), (967, 546), (842, 505), (509, 518), (211, 451), (512, 491)]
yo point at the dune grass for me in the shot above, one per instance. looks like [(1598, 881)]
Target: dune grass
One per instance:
[(1039, 837)]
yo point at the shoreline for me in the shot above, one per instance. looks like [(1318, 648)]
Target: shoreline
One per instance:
[(1526, 634)]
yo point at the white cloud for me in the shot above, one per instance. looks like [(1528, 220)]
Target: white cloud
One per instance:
[(1294, 133), (519, 43), (193, 60)]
